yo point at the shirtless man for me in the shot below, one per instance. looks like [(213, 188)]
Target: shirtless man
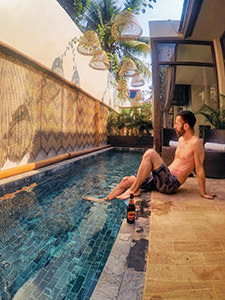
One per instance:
[(189, 155)]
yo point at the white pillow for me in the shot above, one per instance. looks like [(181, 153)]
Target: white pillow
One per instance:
[(215, 146), (173, 144)]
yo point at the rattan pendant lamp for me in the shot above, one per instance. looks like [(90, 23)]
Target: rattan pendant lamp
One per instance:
[(122, 84), (123, 89), (126, 27), (123, 94), (100, 61), (136, 103), (137, 99), (128, 68), (137, 80), (89, 43)]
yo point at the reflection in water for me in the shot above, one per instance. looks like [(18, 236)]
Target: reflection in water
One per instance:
[(12, 205), (49, 230)]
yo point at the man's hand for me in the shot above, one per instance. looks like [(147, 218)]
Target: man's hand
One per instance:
[(208, 196)]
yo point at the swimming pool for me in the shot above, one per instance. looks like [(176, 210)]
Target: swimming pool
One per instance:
[(54, 244)]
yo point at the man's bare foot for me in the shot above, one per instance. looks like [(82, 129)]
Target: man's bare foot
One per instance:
[(126, 194), (95, 199)]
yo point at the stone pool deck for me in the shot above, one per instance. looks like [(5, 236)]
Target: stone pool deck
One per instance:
[(186, 255), (175, 250), (123, 276)]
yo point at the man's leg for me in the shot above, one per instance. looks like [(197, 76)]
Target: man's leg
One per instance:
[(124, 184), (151, 161)]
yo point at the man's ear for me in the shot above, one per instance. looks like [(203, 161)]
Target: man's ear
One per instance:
[(186, 126)]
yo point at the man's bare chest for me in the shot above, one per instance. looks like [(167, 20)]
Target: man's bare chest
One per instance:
[(184, 151)]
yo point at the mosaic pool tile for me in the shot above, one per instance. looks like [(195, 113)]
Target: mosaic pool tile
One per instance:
[(123, 276), (55, 245)]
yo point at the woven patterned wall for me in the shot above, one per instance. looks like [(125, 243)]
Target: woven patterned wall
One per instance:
[(103, 125), (41, 116)]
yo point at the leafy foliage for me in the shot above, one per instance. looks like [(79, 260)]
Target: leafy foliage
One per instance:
[(132, 121), (75, 8), (137, 6), (216, 117), (100, 16)]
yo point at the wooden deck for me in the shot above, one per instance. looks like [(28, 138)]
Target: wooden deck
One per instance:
[(186, 256)]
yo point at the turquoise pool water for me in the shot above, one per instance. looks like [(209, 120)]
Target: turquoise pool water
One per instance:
[(54, 244)]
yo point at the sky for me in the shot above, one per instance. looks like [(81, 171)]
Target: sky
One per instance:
[(162, 10)]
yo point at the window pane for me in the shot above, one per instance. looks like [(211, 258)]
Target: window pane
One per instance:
[(184, 53), (196, 76), (188, 87), (194, 53), (166, 51), (223, 45)]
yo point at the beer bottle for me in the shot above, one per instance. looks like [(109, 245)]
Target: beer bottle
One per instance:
[(131, 210)]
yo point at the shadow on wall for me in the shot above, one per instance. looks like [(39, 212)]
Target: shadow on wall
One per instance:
[(42, 114), (17, 140), (51, 143), (46, 144), (57, 65), (77, 130)]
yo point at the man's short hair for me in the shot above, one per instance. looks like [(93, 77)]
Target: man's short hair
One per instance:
[(188, 117)]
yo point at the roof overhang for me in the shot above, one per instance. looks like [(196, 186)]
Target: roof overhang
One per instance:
[(191, 9), (203, 19)]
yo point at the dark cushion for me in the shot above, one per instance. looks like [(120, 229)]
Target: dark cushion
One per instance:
[(168, 134), (214, 163)]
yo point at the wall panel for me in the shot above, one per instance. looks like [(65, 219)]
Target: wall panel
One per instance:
[(43, 115)]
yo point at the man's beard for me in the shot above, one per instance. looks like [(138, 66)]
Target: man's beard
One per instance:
[(181, 131)]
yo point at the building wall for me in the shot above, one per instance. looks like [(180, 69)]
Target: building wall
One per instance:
[(43, 31), (164, 29), (219, 66), (42, 115)]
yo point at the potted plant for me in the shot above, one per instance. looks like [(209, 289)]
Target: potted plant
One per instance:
[(216, 118), (131, 127), (214, 159)]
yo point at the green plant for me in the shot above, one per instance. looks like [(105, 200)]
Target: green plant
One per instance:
[(100, 17), (112, 123), (144, 120), (131, 121), (216, 117), (75, 8)]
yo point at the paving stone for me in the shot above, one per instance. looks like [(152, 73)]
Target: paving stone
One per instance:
[(186, 257)]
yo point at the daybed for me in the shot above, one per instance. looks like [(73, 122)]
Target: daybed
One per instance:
[(169, 137), (214, 163)]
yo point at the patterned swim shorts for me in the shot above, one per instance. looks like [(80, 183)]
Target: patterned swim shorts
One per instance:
[(162, 180)]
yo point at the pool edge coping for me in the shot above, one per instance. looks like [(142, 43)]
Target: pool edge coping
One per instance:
[(50, 168), (120, 280), (126, 238)]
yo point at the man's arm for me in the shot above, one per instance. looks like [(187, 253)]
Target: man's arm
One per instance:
[(199, 156)]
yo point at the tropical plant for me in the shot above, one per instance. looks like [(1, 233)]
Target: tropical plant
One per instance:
[(75, 8), (132, 121), (216, 117), (144, 119), (112, 123), (100, 16)]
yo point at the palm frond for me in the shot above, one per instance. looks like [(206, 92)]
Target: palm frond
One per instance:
[(134, 5), (92, 16), (143, 67), (216, 117), (100, 17), (138, 47), (109, 10)]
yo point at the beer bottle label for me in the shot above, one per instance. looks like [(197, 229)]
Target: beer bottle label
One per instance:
[(131, 215)]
